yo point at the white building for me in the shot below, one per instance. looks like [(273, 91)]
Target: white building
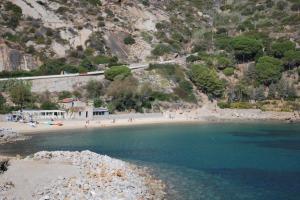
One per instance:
[(34, 115)]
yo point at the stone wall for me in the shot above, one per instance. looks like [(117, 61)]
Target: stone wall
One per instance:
[(62, 84)]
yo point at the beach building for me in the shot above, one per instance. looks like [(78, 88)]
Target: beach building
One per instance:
[(97, 112), (36, 115), (77, 109)]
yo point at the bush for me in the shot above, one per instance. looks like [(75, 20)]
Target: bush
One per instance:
[(246, 48), (241, 105), (185, 91), (15, 15), (281, 5), (64, 94), (223, 105), (229, 71), (161, 49), (207, 80), (192, 58), (117, 71), (95, 2), (104, 60), (48, 105), (268, 70), (98, 103), (94, 89), (129, 40)]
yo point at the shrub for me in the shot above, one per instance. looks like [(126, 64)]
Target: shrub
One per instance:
[(268, 70), (296, 7), (223, 105), (207, 80), (281, 5), (98, 103), (161, 49), (48, 105), (95, 2), (64, 94), (185, 91), (104, 59), (241, 105), (87, 64), (15, 16), (117, 71), (129, 40), (94, 89), (229, 71), (192, 58)]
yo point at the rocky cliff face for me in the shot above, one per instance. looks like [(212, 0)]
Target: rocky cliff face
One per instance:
[(14, 59), (56, 29)]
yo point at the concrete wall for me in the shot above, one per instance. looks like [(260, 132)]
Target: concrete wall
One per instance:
[(61, 84)]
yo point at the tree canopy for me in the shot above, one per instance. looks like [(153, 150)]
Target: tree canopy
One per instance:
[(207, 80), (20, 93), (280, 47), (268, 70), (246, 48)]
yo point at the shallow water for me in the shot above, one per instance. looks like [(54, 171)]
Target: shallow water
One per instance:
[(197, 161)]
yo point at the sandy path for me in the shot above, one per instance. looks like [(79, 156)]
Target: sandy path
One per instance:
[(26, 174)]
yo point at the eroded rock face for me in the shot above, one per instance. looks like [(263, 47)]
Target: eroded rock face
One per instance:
[(13, 59)]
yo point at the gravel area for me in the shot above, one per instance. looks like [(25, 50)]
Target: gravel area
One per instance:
[(77, 175)]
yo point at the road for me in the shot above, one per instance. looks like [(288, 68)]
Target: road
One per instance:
[(131, 66)]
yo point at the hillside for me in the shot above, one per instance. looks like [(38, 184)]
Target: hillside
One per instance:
[(242, 53)]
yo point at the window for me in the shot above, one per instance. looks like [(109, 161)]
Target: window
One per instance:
[(79, 114)]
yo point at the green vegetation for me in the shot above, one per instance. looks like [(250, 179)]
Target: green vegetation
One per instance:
[(20, 93), (94, 89), (129, 40), (246, 48), (291, 58), (207, 80), (64, 94), (15, 14), (48, 105), (228, 71), (268, 70), (119, 72), (94, 2), (161, 49), (279, 48)]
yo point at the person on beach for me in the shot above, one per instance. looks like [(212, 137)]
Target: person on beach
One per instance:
[(87, 123)]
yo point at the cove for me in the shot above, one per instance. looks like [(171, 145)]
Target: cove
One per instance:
[(231, 161)]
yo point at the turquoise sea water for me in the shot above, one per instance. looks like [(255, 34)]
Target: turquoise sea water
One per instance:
[(228, 161)]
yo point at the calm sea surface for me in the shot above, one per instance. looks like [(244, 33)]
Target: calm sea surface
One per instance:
[(229, 161)]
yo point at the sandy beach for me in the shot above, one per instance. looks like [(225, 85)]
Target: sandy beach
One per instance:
[(194, 116)]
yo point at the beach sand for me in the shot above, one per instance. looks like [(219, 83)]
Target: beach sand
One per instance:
[(195, 116)]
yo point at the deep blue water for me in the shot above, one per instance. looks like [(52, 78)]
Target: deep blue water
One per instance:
[(228, 161)]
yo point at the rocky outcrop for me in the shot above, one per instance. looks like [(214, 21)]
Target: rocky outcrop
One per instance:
[(86, 175), (9, 135), (14, 59)]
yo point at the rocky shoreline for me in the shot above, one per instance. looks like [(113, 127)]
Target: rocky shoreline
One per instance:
[(77, 175), (9, 135)]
